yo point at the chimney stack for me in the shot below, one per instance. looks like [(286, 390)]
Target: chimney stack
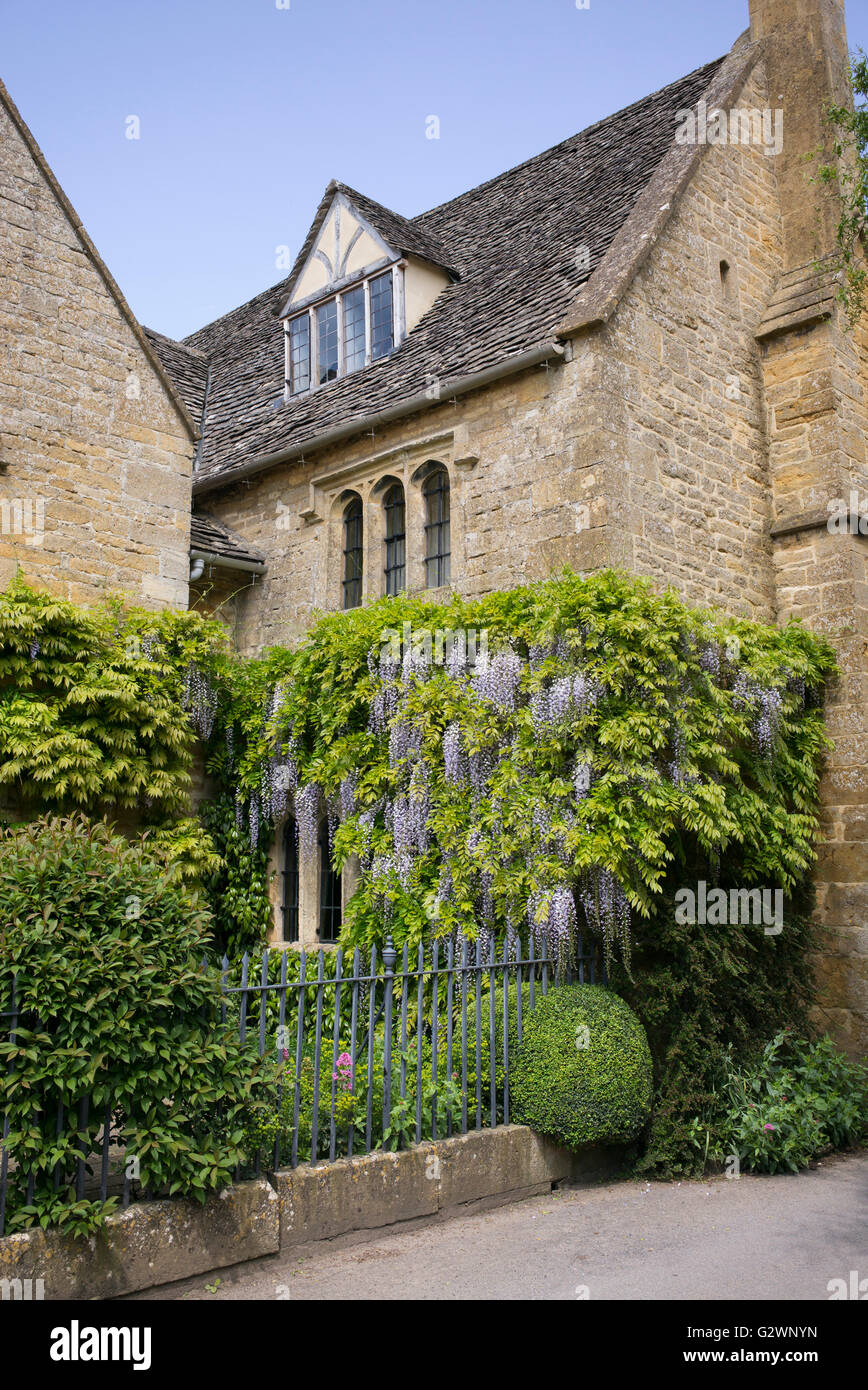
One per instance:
[(808, 65)]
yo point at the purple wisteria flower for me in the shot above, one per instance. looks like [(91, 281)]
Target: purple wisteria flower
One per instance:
[(566, 698), (253, 813), (199, 700), (307, 819), (768, 720), (405, 741), (497, 678), (348, 796), (279, 782), (481, 766), (768, 706), (679, 748), (709, 658), (606, 908), (455, 656), (454, 758), (581, 778), (551, 917)]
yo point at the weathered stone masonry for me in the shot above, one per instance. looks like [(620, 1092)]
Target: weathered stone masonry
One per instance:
[(96, 450)]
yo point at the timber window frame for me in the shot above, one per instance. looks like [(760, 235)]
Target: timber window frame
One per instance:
[(344, 332), (438, 527), (395, 539), (353, 552)]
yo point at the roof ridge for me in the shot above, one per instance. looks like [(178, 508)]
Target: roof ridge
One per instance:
[(334, 185), (102, 270), (560, 144), (174, 342)]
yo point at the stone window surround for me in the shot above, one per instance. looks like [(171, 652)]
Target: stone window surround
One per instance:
[(309, 887), (370, 479)]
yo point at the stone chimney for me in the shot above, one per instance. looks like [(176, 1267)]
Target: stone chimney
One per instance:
[(808, 66)]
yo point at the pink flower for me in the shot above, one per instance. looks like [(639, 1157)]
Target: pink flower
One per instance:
[(286, 1054), (769, 1126)]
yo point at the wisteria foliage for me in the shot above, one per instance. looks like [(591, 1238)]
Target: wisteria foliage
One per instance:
[(553, 780)]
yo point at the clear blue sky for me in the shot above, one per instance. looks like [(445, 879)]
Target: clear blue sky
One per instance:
[(248, 110)]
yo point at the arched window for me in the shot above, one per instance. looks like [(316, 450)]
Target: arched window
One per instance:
[(435, 490), (290, 881), (329, 890), (353, 553), (396, 539)]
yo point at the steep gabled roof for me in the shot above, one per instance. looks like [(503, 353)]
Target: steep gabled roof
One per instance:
[(187, 368), (400, 233), (166, 377), (523, 245)]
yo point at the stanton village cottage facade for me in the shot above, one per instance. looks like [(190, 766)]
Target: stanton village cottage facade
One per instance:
[(625, 351)]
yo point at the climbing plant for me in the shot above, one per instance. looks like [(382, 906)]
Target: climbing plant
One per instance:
[(844, 175), (599, 736), (100, 708)]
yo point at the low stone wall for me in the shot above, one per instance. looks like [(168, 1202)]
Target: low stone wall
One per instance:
[(148, 1244), (324, 1200), (154, 1243)]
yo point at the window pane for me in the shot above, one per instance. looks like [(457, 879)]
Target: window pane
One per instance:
[(290, 882), (329, 891), (396, 533), (354, 329), (299, 354), (381, 315), (327, 338), (353, 554), (435, 490)]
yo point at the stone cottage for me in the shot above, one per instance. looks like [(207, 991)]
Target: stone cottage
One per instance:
[(625, 351)]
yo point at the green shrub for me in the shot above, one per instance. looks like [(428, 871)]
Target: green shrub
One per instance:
[(582, 1072), (798, 1100), (701, 993), (115, 1005)]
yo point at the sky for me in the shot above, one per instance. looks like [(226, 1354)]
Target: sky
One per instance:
[(244, 109)]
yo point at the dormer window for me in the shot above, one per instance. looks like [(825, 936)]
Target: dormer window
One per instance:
[(342, 334), (362, 282)]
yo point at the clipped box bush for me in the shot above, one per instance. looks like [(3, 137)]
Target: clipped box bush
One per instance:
[(582, 1072)]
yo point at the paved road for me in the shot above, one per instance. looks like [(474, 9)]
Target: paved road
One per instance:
[(750, 1238)]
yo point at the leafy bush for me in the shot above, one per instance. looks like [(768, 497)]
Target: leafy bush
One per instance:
[(798, 1100), (117, 1008), (582, 1072), (95, 705), (701, 992)]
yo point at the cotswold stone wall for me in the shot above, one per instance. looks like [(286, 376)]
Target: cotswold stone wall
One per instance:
[(528, 460), (694, 494), (817, 391), (95, 458)]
